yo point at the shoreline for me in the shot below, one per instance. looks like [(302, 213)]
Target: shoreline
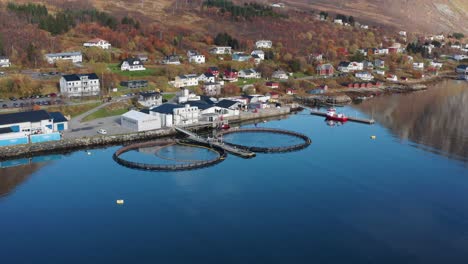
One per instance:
[(69, 145)]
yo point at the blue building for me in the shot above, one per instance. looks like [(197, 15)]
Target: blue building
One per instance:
[(31, 126)]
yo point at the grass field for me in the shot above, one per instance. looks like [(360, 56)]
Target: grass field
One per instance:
[(113, 109), (73, 110), (168, 96), (116, 69)]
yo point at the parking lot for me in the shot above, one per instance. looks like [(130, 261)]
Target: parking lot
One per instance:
[(28, 102)]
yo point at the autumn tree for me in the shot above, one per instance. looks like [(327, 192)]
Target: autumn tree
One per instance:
[(230, 89)]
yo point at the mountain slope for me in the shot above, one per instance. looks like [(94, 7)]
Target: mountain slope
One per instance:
[(432, 16)]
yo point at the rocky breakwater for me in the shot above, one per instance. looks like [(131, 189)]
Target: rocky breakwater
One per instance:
[(405, 88), (70, 144)]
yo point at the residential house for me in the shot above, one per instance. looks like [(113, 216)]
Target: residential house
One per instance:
[(134, 84), (259, 53), (195, 57), (366, 76), (392, 77), (249, 74), (368, 65), (231, 75), (350, 66), (315, 57), (206, 77), (97, 42), (338, 21), (381, 51), (132, 64), (214, 71), (418, 65), (185, 95), (379, 72), (463, 68), (139, 121), (364, 26), (325, 69), (75, 57), (264, 44), (79, 85), (31, 127), (280, 74), (402, 33), (150, 99), (212, 88), (290, 91), (171, 60), (240, 56), (221, 50), (379, 63), (436, 64), (185, 80), (257, 60), (4, 62), (460, 57), (142, 57), (274, 96), (272, 85)]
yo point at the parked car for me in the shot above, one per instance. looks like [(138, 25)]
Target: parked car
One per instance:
[(5, 106), (102, 131), (15, 104), (53, 95), (13, 99)]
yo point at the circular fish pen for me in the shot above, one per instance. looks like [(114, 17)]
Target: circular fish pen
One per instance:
[(188, 164), (306, 140)]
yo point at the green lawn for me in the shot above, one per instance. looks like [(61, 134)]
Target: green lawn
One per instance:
[(241, 82), (74, 110), (168, 96), (103, 112), (116, 69)]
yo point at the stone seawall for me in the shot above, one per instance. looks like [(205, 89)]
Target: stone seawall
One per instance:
[(71, 144)]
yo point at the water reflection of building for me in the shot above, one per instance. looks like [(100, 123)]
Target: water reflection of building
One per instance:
[(437, 118)]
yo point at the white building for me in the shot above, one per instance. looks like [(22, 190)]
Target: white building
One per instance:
[(259, 53), (171, 60), (338, 21), (392, 77), (436, 64), (185, 80), (195, 57), (138, 121), (366, 76), (79, 85), (402, 33), (280, 74), (459, 57), (75, 57), (150, 99), (221, 50), (185, 95), (249, 74), (4, 62), (31, 127), (97, 42), (379, 63), (176, 115), (418, 65), (132, 64), (206, 77), (264, 44), (213, 88)]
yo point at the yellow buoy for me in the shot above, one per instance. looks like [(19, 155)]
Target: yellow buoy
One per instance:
[(373, 137), (120, 201)]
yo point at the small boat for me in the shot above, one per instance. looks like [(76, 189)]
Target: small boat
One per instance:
[(224, 126), (333, 115)]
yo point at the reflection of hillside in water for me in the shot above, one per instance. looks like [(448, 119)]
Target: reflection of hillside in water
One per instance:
[(437, 118), (12, 177)]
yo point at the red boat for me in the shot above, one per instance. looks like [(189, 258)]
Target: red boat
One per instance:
[(333, 115)]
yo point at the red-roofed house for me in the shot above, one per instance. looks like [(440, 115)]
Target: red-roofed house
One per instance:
[(272, 85)]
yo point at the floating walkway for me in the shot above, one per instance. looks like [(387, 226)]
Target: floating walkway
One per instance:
[(241, 152), (167, 167), (352, 119), (305, 144)]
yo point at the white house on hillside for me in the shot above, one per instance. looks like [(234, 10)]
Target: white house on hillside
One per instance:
[(264, 44), (280, 74), (418, 65), (259, 53), (195, 57), (249, 74), (185, 80), (75, 57), (79, 85), (171, 60), (366, 76), (4, 62), (132, 64), (97, 42), (150, 99), (221, 50)]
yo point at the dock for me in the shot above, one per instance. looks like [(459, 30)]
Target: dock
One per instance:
[(350, 118), (246, 154)]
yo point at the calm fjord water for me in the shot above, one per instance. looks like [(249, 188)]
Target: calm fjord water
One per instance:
[(345, 199)]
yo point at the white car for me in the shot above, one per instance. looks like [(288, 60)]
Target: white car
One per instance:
[(102, 131)]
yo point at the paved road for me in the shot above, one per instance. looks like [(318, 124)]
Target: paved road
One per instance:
[(77, 128)]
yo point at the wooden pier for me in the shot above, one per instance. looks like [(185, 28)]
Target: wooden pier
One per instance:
[(231, 149), (350, 118)]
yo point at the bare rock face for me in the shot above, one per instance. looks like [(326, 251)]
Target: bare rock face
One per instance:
[(338, 99)]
